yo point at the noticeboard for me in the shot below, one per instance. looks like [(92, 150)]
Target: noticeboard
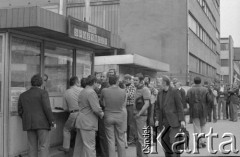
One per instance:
[(15, 93)]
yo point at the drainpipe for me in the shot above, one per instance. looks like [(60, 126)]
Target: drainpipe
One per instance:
[(187, 67), (61, 7), (88, 11)]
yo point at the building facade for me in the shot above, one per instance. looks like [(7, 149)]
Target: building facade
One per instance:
[(227, 57), (204, 38), (184, 34)]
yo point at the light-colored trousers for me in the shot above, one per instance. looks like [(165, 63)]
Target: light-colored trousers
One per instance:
[(140, 123), (69, 125), (114, 129), (85, 143), (38, 141), (221, 107), (199, 127)]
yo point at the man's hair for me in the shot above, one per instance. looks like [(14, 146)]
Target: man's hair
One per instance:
[(73, 80), (91, 79), (166, 79), (197, 80), (205, 83), (149, 79), (140, 76), (113, 80), (83, 82), (36, 80), (180, 83), (46, 77), (127, 76)]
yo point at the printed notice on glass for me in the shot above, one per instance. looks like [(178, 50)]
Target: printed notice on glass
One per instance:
[(15, 93), (86, 70)]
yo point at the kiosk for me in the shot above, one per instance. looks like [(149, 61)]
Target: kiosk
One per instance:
[(34, 40)]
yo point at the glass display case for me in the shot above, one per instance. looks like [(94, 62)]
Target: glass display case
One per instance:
[(58, 63)]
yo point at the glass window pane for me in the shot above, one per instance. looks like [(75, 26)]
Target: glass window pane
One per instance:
[(25, 62), (1, 70), (58, 68), (84, 63)]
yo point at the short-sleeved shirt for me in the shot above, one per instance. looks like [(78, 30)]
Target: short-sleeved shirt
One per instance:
[(142, 92), (114, 98)]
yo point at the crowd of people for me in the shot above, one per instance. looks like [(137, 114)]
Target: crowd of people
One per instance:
[(109, 114)]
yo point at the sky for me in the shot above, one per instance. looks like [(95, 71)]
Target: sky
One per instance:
[(230, 20)]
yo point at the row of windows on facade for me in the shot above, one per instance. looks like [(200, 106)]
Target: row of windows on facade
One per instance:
[(217, 5), (207, 11), (224, 62), (224, 46), (209, 14), (201, 33), (201, 67)]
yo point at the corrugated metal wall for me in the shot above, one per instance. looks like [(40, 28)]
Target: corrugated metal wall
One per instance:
[(102, 15)]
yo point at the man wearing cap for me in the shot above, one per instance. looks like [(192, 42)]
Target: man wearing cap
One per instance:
[(169, 115), (130, 89)]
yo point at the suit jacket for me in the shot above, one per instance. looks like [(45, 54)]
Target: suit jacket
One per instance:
[(89, 110), (198, 100), (183, 97), (172, 106), (35, 110)]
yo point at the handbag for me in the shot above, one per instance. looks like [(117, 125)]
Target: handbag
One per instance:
[(139, 103)]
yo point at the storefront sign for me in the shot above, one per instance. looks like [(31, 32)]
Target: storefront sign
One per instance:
[(87, 32), (15, 93)]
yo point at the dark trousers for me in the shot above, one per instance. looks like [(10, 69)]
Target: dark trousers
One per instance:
[(233, 112), (101, 141), (168, 138), (131, 130), (227, 110), (38, 141), (212, 110)]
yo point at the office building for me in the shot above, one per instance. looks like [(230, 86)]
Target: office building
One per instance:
[(183, 34)]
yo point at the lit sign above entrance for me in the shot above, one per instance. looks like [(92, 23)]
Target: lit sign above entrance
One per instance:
[(81, 30)]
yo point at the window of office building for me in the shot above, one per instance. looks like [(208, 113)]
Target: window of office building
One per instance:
[(84, 64), (194, 64), (25, 62), (58, 63), (224, 62), (192, 24), (201, 33), (1, 71), (226, 78), (224, 46)]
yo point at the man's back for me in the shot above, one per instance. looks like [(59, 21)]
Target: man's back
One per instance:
[(71, 98), (89, 108), (35, 110), (197, 99), (114, 98)]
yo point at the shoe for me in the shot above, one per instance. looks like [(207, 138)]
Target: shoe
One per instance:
[(204, 145), (130, 142), (63, 149), (214, 121)]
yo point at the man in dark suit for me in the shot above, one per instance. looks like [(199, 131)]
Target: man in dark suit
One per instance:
[(169, 115), (182, 94), (37, 118)]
